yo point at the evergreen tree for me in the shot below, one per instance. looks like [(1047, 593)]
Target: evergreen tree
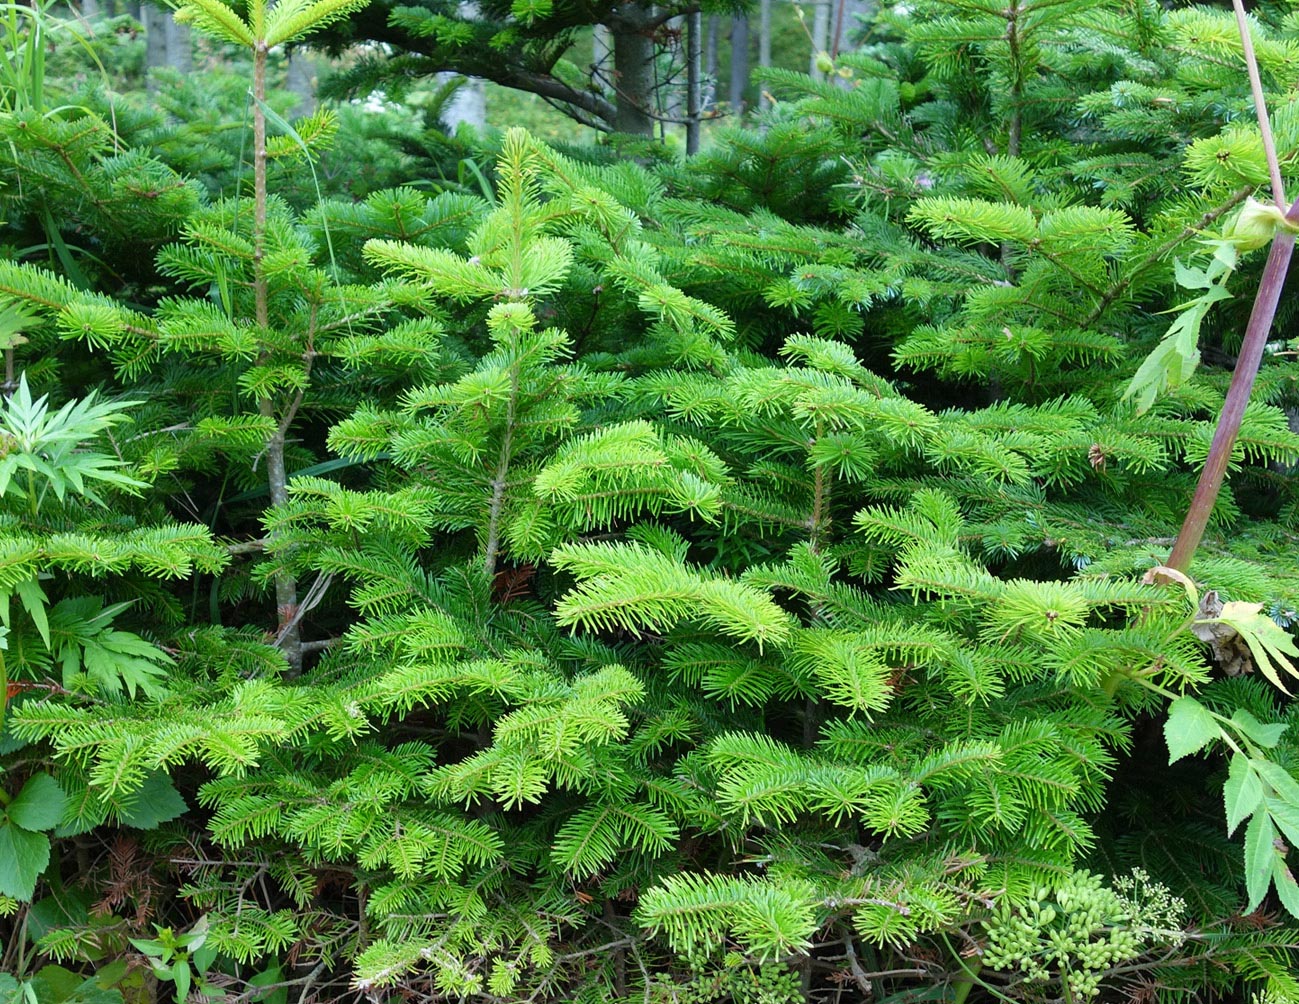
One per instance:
[(735, 588), (525, 45)]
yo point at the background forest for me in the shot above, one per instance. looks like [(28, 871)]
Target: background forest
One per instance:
[(448, 565)]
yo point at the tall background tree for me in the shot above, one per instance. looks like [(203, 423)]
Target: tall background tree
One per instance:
[(528, 45)]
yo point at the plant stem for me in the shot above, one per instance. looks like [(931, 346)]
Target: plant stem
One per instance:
[(286, 586), (1260, 324), (964, 983), (501, 477), (1260, 104), (1015, 130), (1233, 409)]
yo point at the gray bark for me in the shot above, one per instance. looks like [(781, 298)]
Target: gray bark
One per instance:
[(848, 29), (633, 60), (180, 48), (467, 106), (711, 61), (166, 42), (300, 80), (155, 40), (694, 94), (602, 59), (820, 35), (739, 63)]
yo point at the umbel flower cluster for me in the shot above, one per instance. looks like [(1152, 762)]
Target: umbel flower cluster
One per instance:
[(1075, 933)]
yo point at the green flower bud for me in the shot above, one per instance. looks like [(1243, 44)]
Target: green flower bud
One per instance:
[(1256, 224), (824, 63)]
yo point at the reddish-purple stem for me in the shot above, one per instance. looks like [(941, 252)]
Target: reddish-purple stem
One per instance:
[(1233, 409)]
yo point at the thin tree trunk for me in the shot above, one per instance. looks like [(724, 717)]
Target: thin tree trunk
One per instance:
[(300, 81), (711, 62), (155, 22), (602, 58), (633, 60), (820, 36), (739, 63), (180, 49), (764, 46), (694, 58), (277, 480), (468, 105)]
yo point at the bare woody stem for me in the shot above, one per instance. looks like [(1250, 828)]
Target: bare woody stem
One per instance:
[(286, 586), (1015, 130), (260, 287), (501, 478), (1233, 410)]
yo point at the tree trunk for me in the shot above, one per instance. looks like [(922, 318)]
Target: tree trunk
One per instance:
[(300, 81), (633, 61), (847, 30), (694, 59), (820, 36), (180, 49), (155, 40), (739, 63), (764, 45), (468, 106), (166, 42), (602, 59), (710, 62)]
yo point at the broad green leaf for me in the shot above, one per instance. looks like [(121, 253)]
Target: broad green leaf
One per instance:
[(203, 957), (39, 806), (1266, 736), (1267, 640), (23, 856), (1242, 793), (1286, 787), (155, 802), (1286, 817), (1190, 728), (54, 984), (1260, 853), (35, 603), (182, 976), (1286, 888)]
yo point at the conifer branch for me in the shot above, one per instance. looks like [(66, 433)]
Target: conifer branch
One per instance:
[(1112, 294)]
